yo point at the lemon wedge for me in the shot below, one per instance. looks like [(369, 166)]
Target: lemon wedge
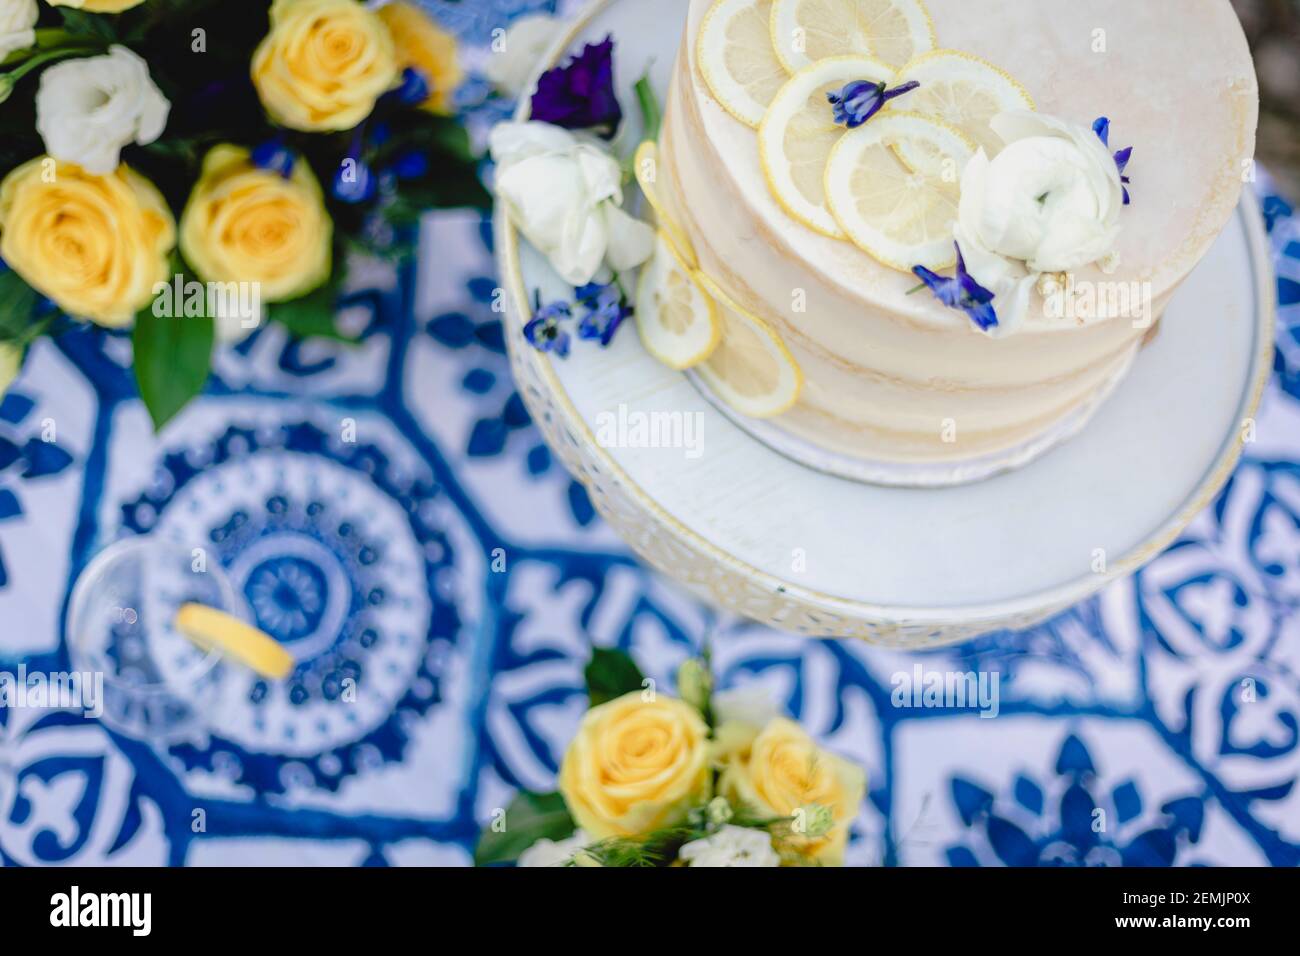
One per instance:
[(751, 369), (799, 131), (735, 54), (962, 91), (675, 317), (894, 31), (901, 216), (648, 172), (208, 628)]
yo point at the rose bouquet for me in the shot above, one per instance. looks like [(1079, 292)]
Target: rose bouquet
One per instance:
[(194, 168), (702, 779)]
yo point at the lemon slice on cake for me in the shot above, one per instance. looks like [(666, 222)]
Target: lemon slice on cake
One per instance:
[(751, 369), (894, 31), (962, 91), (902, 216), (648, 170), (799, 131), (736, 57), (676, 318)]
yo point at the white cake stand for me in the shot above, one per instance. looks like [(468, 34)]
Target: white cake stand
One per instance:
[(748, 528)]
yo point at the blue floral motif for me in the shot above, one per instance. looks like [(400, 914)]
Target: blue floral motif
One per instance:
[(390, 513), (1071, 819)]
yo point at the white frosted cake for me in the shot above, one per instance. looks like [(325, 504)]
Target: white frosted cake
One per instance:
[(820, 158)]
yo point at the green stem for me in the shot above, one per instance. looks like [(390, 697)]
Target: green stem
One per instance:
[(9, 80), (651, 115)]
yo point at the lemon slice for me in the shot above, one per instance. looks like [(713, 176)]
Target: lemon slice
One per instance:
[(962, 91), (737, 60), (207, 627), (648, 171), (895, 31), (751, 369), (675, 316), (799, 132), (901, 216)]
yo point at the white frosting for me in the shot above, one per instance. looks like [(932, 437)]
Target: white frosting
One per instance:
[(892, 376)]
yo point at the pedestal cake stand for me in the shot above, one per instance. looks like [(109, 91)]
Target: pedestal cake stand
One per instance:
[(746, 527)]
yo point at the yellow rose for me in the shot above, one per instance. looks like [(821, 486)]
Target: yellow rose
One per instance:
[(247, 224), (636, 766), (98, 6), (323, 64), (425, 46), (95, 245), (11, 360), (781, 770)]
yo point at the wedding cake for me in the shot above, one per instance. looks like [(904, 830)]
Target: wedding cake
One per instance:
[(927, 233)]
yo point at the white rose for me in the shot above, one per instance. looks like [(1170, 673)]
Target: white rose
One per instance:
[(1048, 201), (553, 852), (732, 846), (11, 360), (522, 47), (566, 195), (87, 109), (17, 25)]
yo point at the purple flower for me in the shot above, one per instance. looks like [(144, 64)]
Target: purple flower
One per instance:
[(273, 155), (1102, 129), (580, 94), (961, 292), (606, 311), (545, 332), (862, 99)]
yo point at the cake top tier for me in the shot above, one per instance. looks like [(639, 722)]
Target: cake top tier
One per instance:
[(1175, 77)]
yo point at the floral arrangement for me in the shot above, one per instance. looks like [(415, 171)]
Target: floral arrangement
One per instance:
[(702, 779), (562, 187), (180, 159)]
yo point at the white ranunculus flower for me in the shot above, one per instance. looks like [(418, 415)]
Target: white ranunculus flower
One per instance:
[(1049, 201), (17, 25), (87, 109), (553, 852), (566, 196), (512, 66), (732, 846)]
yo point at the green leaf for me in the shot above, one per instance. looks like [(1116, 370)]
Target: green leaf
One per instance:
[(311, 315), (529, 818), (172, 359), (17, 299), (611, 674), (651, 116)]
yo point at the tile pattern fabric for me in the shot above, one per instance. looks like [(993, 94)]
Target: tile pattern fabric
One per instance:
[(438, 557)]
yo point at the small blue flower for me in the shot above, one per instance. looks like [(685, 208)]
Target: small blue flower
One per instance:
[(1102, 129), (961, 292), (411, 164), (273, 155), (354, 182), (862, 99), (580, 94), (606, 311), (545, 332), (414, 88)]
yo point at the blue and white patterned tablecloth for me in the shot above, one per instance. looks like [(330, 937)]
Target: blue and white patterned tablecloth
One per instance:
[(470, 680)]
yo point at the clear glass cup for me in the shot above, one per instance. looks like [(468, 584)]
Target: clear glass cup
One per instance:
[(157, 684)]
